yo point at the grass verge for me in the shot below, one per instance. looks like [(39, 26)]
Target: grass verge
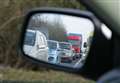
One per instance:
[(51, 76)]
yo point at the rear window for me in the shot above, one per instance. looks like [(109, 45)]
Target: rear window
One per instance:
[(52, 45), (30, 38), (64, 46)]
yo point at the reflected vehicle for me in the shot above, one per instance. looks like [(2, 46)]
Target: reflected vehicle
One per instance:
[(67, 52), (53, 51), (86, 46), (35, 45), (76, 41)]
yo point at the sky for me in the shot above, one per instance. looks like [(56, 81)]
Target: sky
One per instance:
[(72, 24), (78, 25)]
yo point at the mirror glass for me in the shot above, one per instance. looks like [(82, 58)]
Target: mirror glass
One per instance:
[(58, 39)]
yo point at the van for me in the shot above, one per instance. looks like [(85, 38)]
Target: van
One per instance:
[(35, 45)]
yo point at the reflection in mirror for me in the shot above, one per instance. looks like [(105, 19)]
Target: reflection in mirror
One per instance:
[(58, 39)]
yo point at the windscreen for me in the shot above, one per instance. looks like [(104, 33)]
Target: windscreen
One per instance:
[(64, 46), (52, 45), (30, 38)]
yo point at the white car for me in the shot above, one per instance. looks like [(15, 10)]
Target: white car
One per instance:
[(67, 52), (35, 45), (54, 51)]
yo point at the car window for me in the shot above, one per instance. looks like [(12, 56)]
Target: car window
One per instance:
[(64, 46), (52, 45), (30, 38), (111, 9)]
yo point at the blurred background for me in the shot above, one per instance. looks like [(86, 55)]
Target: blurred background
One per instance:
[(12, 65)]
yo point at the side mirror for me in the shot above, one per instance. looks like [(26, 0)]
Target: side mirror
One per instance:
[(53, 26)]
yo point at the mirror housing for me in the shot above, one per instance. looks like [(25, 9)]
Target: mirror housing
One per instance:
[(71, 12)]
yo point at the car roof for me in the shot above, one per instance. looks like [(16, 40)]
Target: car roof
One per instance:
[(53, 41), (30, 30), (35, 31)]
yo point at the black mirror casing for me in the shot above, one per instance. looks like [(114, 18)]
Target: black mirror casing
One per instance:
[(95, 48)]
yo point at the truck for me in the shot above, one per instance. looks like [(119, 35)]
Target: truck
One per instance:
[(76, 41)]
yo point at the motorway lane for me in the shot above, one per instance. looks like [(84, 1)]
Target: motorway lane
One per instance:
[(72, 64), (76, 63)]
